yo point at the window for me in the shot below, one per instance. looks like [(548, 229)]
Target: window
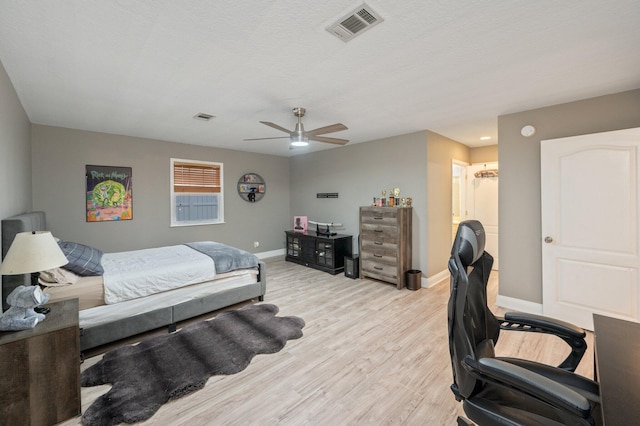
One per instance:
[(196, 192)]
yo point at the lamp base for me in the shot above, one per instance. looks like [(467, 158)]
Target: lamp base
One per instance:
[(34, 282)]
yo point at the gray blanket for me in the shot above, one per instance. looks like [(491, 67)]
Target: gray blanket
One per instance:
[(226, 258)]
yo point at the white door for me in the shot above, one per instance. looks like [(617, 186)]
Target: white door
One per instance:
[(482, 204), (458, 197), (590, 257)]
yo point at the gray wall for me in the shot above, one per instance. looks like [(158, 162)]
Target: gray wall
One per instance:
[(519, 205), (15, 156), (358, 173), (15, 146), (59, 159)]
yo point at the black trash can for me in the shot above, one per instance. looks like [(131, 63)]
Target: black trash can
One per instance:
[(414, 277)]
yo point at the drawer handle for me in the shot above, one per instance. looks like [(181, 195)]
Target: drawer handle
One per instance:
[(378, 268), (377, 217), (377, 255), (379, 243), (378, 230)]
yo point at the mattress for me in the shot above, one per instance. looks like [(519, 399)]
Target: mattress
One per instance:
[(88, 290), (93, 310)]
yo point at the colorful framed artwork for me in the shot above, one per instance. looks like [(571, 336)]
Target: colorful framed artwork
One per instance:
[(300, 224), (109, 193)]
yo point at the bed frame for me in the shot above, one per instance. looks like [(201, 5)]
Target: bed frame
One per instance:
[(125, 327)]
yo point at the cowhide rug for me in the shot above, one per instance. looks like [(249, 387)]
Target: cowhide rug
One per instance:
[(146, 375)]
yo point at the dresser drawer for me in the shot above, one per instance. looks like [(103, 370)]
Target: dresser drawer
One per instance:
[(379, 246), (379, 232), (379, 270), (381, 256), (379, 216)]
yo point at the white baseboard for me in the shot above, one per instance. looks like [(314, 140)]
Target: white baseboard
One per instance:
[(519, 305), (424, 281), (501, 301), (441, 276), (272, 253)]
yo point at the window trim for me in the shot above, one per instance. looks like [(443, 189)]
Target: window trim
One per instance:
[(172, 193)]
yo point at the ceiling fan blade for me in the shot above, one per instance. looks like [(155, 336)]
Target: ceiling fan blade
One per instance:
[(275, 126), (329, 140), (327, 129), (264, 139)]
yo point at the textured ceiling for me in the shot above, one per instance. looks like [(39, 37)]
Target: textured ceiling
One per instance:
[(145, 68)]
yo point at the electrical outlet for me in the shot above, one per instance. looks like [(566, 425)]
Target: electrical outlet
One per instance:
[(256, 244)]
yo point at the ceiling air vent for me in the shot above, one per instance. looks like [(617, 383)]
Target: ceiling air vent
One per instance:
[(203, 116), (359, 20)]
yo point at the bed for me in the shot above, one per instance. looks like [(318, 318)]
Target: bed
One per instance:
[(102, 323)]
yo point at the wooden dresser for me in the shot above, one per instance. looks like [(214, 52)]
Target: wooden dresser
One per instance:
[(385, 243), (40, 369)]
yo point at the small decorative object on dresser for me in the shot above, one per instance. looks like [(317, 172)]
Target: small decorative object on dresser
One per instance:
[(385, 243), (22, 314), (300, 224)]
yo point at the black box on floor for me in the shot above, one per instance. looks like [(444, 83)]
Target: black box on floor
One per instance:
[(351, 266)]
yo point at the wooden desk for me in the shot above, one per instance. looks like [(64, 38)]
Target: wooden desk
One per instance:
[(617, 352), (40, 369)]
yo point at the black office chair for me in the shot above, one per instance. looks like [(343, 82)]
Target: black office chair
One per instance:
[(508, 391)]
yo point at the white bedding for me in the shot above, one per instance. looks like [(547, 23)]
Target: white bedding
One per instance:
[(126, 274)]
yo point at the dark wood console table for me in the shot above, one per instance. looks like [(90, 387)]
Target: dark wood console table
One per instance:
[(40, 369), (322, 252)]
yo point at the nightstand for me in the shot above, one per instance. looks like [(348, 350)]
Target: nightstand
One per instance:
[(40, 369)]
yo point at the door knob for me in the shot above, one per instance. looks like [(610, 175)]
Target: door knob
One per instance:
[(548, 240)]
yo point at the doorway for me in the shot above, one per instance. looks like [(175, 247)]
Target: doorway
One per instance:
[(474, 194), (458, 195)]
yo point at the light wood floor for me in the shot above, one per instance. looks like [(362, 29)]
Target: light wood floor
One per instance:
[(370, 354)]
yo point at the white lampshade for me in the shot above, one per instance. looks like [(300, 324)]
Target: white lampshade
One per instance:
[(32, 252)]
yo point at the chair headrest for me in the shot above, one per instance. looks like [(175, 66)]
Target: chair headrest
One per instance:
[(469, 242)]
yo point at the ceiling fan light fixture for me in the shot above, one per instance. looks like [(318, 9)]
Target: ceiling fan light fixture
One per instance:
[(300, 137), (298, 140)]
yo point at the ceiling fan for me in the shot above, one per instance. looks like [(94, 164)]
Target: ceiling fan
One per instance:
[(300, 137)]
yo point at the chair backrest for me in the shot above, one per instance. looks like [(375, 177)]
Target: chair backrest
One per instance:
[(473, 330)]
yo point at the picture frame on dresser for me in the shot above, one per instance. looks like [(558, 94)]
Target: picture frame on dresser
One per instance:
[(300, 224)]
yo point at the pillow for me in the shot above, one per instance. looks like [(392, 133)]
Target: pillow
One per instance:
[(83, 260), (57, 277)]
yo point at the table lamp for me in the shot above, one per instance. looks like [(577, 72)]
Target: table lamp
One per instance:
[(32, 252)]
